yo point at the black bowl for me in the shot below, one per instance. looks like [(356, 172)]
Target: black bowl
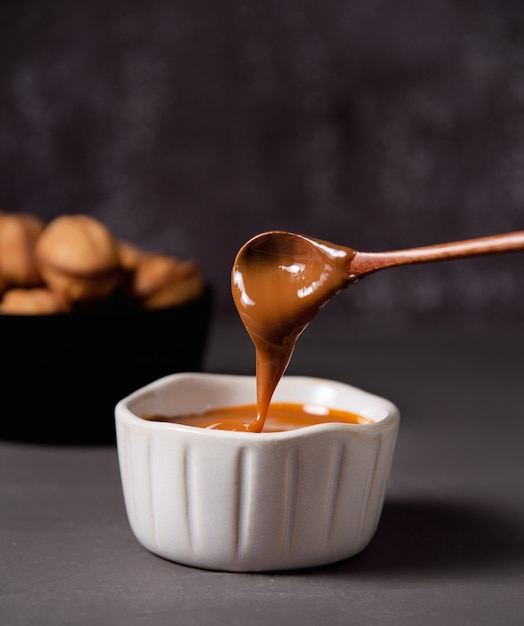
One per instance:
[(63, 374)]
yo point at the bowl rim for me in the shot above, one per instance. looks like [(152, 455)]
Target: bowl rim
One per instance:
[(124, 414)]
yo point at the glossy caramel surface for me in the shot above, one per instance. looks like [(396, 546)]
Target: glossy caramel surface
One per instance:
[(281, 416)]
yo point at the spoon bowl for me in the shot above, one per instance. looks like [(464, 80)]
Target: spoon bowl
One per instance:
[(291, 268)]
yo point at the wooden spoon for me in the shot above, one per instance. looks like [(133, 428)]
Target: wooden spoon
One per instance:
[(280, 280), (364, 263), (267, 246)]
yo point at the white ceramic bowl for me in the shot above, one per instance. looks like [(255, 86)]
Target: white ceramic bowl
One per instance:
[(240, 501)]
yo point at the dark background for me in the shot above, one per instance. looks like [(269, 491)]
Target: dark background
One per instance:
[(189, 126)]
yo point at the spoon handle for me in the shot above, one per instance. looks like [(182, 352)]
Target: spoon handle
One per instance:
[(366, 262)]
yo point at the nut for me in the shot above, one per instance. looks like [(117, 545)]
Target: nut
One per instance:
[(18, 236), (32, 301), (162, 281), (78, 258), (130, 255)]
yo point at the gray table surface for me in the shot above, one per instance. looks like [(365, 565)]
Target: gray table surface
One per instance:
[(449, 548)]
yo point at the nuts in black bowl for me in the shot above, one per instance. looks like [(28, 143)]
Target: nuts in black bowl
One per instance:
[(85, 320)]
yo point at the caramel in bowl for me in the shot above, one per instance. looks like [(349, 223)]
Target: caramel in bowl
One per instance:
[(243, 501)]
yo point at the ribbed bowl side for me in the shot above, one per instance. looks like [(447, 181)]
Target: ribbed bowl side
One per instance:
[(289, 503)]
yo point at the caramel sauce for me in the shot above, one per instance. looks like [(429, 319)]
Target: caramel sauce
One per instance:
[(279, 283), (281, 416)]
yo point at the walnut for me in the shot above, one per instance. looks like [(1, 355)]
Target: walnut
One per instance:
[(37, 300), (19, 233), (160, 281), (78, 258)]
